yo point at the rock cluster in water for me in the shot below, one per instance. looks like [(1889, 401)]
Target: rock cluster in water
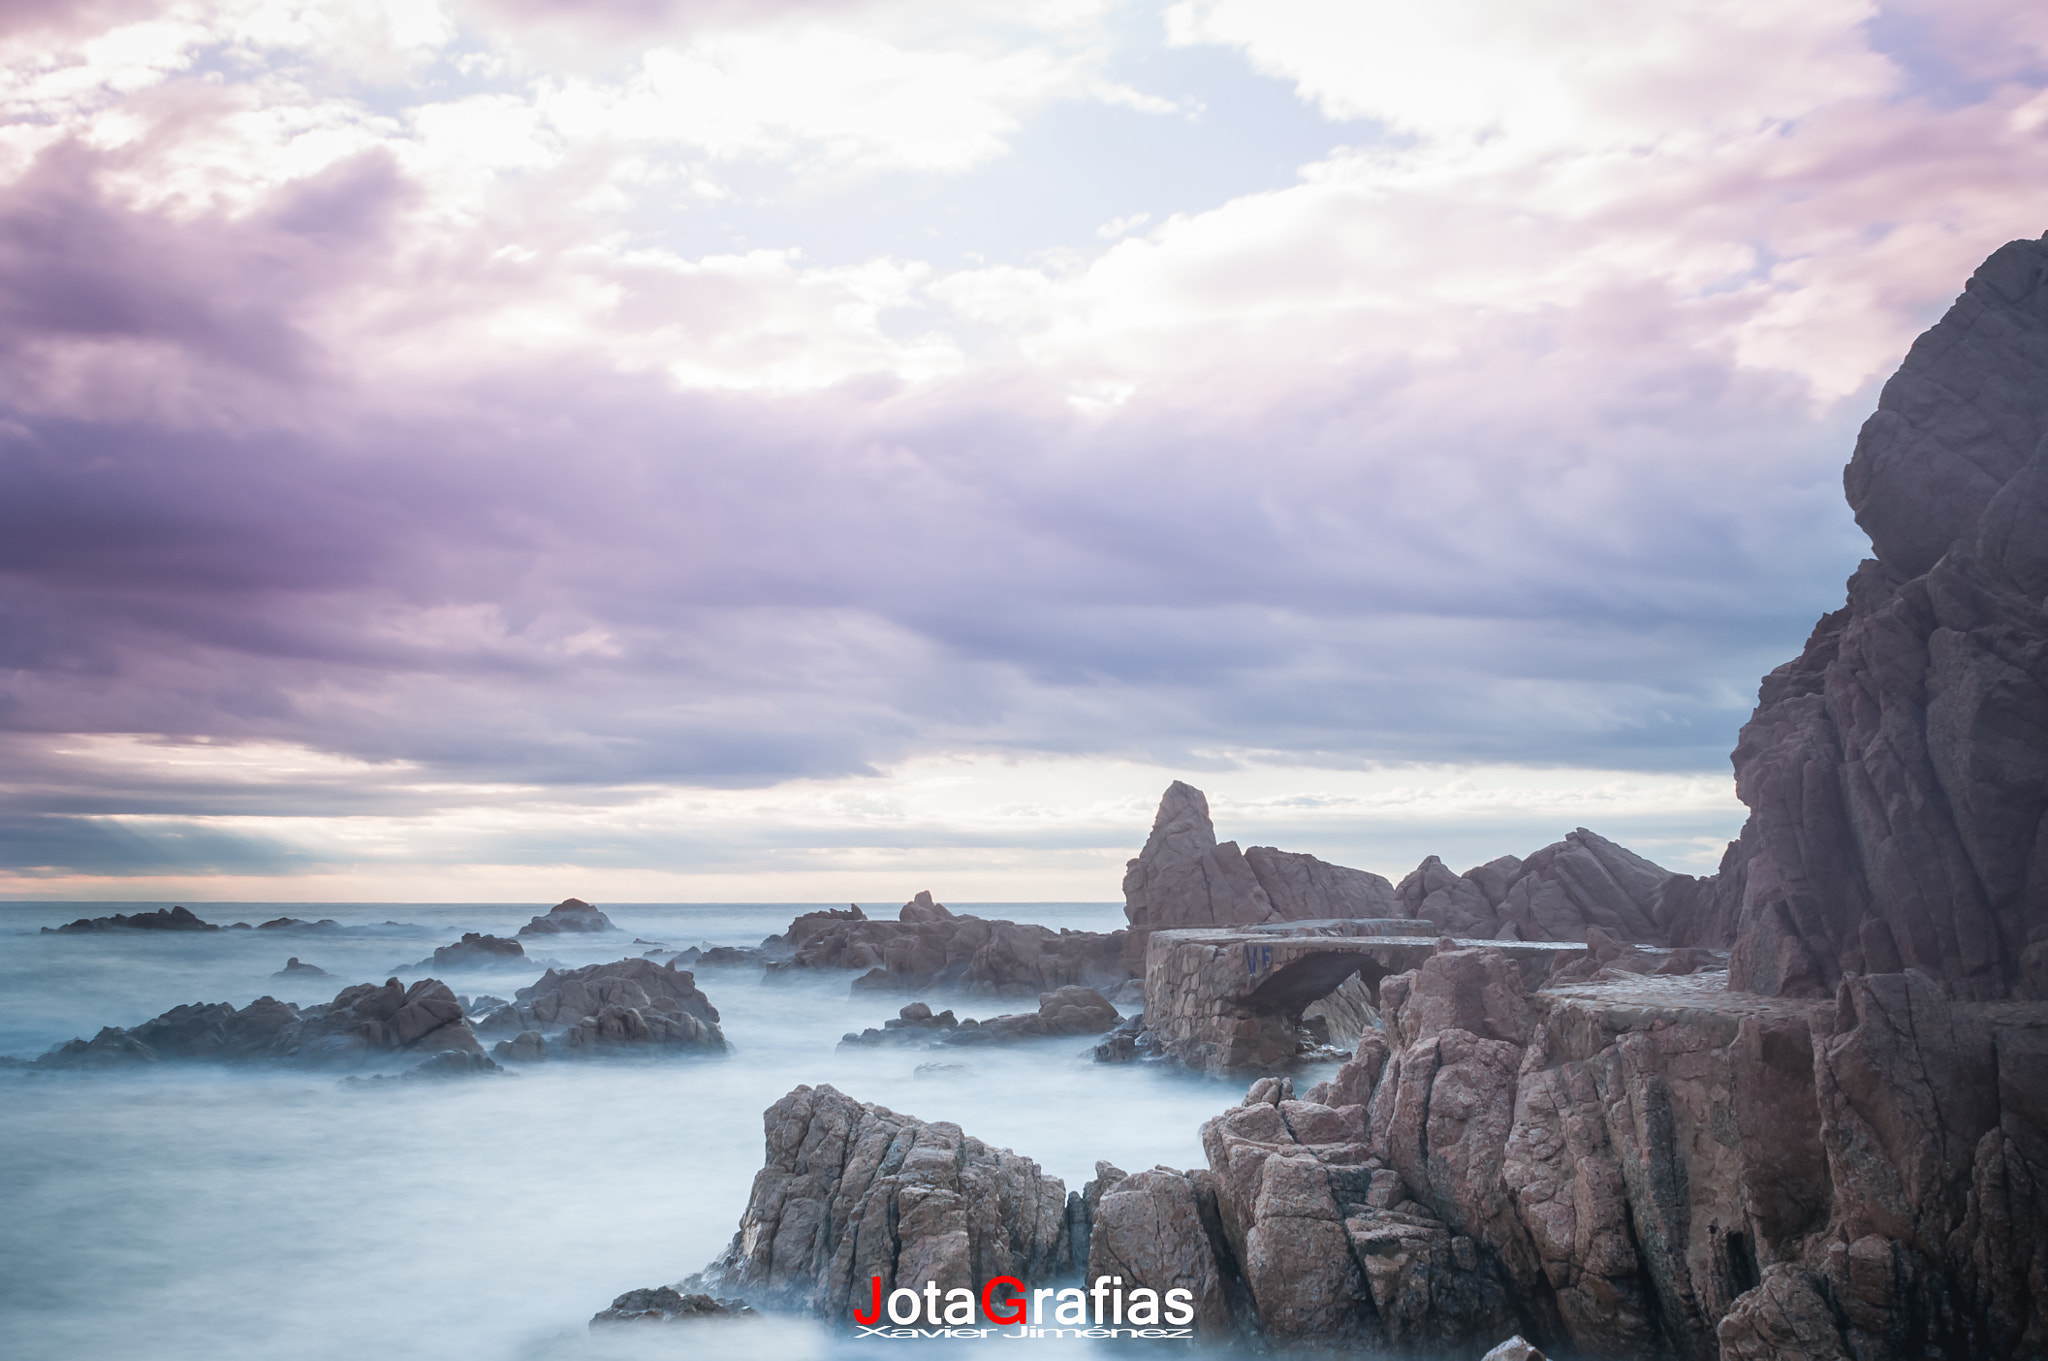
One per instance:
[(929, 946), (361, 1023), (627, 1005), (163, 919), (1064, 1011)]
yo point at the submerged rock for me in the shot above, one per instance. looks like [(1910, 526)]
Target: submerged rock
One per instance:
[(163, 919), (293, 968), (569, 915)]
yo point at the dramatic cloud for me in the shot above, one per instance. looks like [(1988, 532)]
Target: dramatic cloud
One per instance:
[(465, 436)]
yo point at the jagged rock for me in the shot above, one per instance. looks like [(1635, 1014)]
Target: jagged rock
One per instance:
[(294, 969), (163, 919), (1184, 877), (665, 1304), (475, 951), (569, 915), (1784, 1318), (1559, 893), (931, 946), (361, 1022), (1471, 989), (627, 1004), (1897, 771), (1159, 1230), (852, 1191)]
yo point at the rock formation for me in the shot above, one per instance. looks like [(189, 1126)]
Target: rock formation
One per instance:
[(476, 951), (163, 919), (1184, 877), (570, 915), (929, 946), (1897, 770), (852, 1191), (1064, 1011), (666, 1304), (1558, 893), (293, 968), (626, 1005), (361, 1023)]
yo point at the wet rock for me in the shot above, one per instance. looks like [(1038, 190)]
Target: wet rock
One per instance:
[(1515, 1348), (571, 915), (1064, 1011), (293, 968), (665, 1304), (163, 919), (852, 1191)]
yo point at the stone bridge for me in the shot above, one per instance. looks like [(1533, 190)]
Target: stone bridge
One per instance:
[(1222, 1000)]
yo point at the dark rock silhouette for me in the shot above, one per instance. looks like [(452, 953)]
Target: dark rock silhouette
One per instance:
[(571, 915), (163, 919), (930, 946)]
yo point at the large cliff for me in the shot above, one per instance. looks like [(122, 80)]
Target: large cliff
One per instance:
[(1897, 770)]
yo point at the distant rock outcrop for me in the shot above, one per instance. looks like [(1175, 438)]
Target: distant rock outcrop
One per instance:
[(929, 946), (570, 915), (1184, 877), (1897, 771), (163, 919), (852, 1191), (293, 968)]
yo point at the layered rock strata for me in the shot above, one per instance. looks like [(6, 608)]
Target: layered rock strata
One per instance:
[(930, 946), (852, 1191)]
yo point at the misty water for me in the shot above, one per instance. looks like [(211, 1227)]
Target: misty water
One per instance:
[(187, 1210)]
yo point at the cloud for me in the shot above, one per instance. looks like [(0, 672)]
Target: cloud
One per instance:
[(395, 451)]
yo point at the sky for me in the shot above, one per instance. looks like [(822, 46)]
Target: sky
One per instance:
[(462, 450)]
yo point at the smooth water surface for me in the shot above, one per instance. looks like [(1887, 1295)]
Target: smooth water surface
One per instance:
[(188, 1211)]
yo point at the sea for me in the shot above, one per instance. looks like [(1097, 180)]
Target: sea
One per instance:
[(205, 1212)]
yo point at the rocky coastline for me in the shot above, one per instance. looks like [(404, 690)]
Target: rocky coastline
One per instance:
[(1797, 1109)]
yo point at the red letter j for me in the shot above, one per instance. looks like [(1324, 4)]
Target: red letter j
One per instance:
[(874, 1313)]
